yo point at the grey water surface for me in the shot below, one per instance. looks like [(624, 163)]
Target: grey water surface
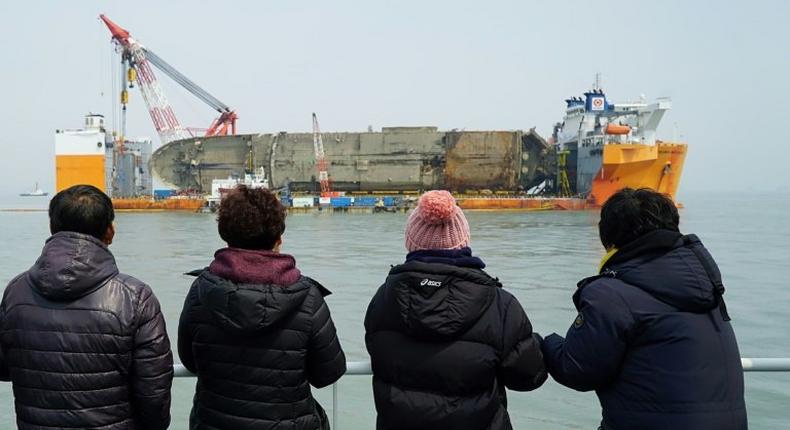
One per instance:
[(538, 256)]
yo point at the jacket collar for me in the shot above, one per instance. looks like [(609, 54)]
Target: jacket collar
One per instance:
[(649, 245), (455, 257)]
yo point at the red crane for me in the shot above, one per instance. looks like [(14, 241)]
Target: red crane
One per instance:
[(320, 160), (137, 60)]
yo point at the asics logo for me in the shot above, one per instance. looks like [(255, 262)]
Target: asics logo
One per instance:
[(430, 283)]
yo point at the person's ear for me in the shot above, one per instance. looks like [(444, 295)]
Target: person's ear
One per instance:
[(109, 234), (278, 244)]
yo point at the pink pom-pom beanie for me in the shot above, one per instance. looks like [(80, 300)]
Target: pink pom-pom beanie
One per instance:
[(436, 223)]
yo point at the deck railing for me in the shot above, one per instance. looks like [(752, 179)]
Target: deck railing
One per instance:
[(363, 368)]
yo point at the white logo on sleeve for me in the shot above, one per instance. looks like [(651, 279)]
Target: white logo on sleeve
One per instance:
[(430, 283)]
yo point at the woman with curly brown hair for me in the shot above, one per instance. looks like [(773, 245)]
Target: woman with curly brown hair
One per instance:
[(255, 330)]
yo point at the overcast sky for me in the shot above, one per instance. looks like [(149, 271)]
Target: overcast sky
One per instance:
[(453, 64)]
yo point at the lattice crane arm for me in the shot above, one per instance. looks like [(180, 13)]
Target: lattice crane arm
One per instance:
[(139, 59)]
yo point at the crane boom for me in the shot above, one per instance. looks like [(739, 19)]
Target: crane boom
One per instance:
[(185, 82), (320, 159), (137, 61), (165, 121)]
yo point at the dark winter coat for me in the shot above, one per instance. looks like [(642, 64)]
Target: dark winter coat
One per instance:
[(256, 349), (445, 341), (84, 346), (654, 340)]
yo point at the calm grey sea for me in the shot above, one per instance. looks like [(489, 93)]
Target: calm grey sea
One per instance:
[(538, 256)]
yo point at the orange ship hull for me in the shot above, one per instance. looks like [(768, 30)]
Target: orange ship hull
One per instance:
[(173, 204), (639, 166), (522, 203)]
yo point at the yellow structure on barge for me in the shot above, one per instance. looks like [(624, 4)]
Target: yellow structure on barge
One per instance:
[(121, 170)]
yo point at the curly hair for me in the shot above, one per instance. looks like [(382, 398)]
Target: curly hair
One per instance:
[(251, 218), (631, 213)]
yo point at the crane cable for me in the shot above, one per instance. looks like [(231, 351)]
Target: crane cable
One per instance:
[(114, 86)]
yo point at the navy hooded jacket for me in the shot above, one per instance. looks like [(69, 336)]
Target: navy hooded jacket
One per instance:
[(653, 339)]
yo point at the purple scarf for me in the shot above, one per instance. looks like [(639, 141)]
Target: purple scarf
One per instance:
[(250, 266)]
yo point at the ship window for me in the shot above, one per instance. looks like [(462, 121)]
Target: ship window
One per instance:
[(98, 144)]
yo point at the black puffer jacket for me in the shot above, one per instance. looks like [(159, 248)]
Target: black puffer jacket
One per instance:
[(84, 346), (654, 341), (256, 349), (445, 342)]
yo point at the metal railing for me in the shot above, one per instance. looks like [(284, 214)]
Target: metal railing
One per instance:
[(766, 364), (363, 368)]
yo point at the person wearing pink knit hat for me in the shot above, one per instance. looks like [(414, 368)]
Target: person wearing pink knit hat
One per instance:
[(444, 338), (437, 223)]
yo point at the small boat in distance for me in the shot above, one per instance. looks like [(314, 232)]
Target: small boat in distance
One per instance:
[(37, 192)]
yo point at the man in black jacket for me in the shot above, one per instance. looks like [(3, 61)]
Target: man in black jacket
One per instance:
[(652, 336), (445, 339), (84, 345)]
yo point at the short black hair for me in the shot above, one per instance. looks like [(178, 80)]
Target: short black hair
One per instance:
[(631, 213), (251, 218), (83, 209)]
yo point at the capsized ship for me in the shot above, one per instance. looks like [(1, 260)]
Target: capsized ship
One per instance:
[(599, 148), (397, 159)]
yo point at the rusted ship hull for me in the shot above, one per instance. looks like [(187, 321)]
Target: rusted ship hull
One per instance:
[(396, 159)]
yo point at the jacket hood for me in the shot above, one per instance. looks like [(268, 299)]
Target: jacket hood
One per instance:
[(71, 265), (681, 272), (248, 308), (440, 300)]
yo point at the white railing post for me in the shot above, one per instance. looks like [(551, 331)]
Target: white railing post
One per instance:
[(334, 405)]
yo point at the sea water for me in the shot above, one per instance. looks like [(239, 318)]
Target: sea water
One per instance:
[(538, 256)]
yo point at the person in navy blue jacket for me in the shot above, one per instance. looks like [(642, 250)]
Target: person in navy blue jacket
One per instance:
[(652, 336)]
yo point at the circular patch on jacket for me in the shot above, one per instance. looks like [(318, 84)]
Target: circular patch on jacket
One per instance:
[(579, 321)]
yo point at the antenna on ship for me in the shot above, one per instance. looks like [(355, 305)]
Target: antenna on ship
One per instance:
[(597, 83)]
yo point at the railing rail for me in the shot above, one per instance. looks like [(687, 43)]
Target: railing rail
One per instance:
[(766, 364), (363, 368)]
